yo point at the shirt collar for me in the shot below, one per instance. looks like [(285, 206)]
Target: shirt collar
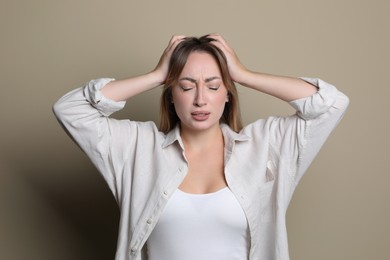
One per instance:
[(172, 136), (229, 136)]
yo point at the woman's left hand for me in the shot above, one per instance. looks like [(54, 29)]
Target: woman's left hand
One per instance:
[(236, 69), (285, 88)]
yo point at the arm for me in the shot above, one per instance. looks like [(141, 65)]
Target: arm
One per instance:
[(121, 90), (296, 139), (84, 114), (285, 88)]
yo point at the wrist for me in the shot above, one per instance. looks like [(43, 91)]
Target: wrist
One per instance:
[(243, 77), (156, 77)]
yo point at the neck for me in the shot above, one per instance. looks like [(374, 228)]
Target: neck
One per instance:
[(201, 139)]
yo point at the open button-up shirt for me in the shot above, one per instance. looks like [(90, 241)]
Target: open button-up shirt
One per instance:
[(143, 166)]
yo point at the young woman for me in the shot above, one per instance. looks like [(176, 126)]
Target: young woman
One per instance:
[(202, 186)]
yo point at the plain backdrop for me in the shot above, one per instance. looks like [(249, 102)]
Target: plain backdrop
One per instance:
[(55, 205)]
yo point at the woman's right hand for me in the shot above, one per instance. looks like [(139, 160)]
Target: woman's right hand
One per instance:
[(119, 90), (162, 67)]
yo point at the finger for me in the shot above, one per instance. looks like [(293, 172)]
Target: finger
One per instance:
[(176, 38), (221, 45), (174, 41), (219, 41), (216, 37)]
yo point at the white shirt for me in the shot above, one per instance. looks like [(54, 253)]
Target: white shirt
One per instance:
[(209, 226), (143, 167)]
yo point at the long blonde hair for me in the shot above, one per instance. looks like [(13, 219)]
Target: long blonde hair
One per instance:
[(168, 117)]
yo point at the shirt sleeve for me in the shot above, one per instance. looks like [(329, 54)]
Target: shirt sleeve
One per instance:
[(95, 97), (298, 139), (83, 113)]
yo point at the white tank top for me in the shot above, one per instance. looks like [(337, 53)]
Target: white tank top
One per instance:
[(208, 226)]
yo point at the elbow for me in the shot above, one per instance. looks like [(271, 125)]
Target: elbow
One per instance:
[(59, 110), (346, 101), (342, 101)]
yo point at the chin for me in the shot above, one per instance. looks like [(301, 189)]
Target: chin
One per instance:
[(201, 126)]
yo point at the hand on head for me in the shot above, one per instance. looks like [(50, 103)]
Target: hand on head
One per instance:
[(236, 68), (163, 65)]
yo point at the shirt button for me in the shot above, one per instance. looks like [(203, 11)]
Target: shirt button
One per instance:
[(165, 192), (149, 221), (133, 251)]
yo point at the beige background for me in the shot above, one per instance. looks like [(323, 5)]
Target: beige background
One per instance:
[(54, 205)]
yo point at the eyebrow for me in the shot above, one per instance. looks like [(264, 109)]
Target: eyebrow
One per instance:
[(194, 81)]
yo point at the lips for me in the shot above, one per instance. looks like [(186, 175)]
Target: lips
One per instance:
[(200, 115)]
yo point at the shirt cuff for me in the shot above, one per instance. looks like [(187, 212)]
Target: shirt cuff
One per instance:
[(318, 103), (93, 94)]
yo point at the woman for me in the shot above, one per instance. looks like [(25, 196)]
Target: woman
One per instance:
[(201, 186)]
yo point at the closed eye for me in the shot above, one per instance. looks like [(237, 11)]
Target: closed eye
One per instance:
[(184, 88), (213, 87)]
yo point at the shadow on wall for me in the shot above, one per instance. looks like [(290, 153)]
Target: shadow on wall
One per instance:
[(54, 203)]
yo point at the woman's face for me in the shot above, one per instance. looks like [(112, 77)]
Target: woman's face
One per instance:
[(199, 96)]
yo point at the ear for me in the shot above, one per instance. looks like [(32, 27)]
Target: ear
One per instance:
[(227, 98)]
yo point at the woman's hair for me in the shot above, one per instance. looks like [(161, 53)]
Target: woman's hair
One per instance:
[(168, 117)]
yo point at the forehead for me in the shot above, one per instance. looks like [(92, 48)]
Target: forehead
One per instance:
[(201, 64)]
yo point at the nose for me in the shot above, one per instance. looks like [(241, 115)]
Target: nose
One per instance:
[(199, 100)]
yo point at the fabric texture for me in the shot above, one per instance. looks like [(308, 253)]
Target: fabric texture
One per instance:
[(143, 167), (209, 226)]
